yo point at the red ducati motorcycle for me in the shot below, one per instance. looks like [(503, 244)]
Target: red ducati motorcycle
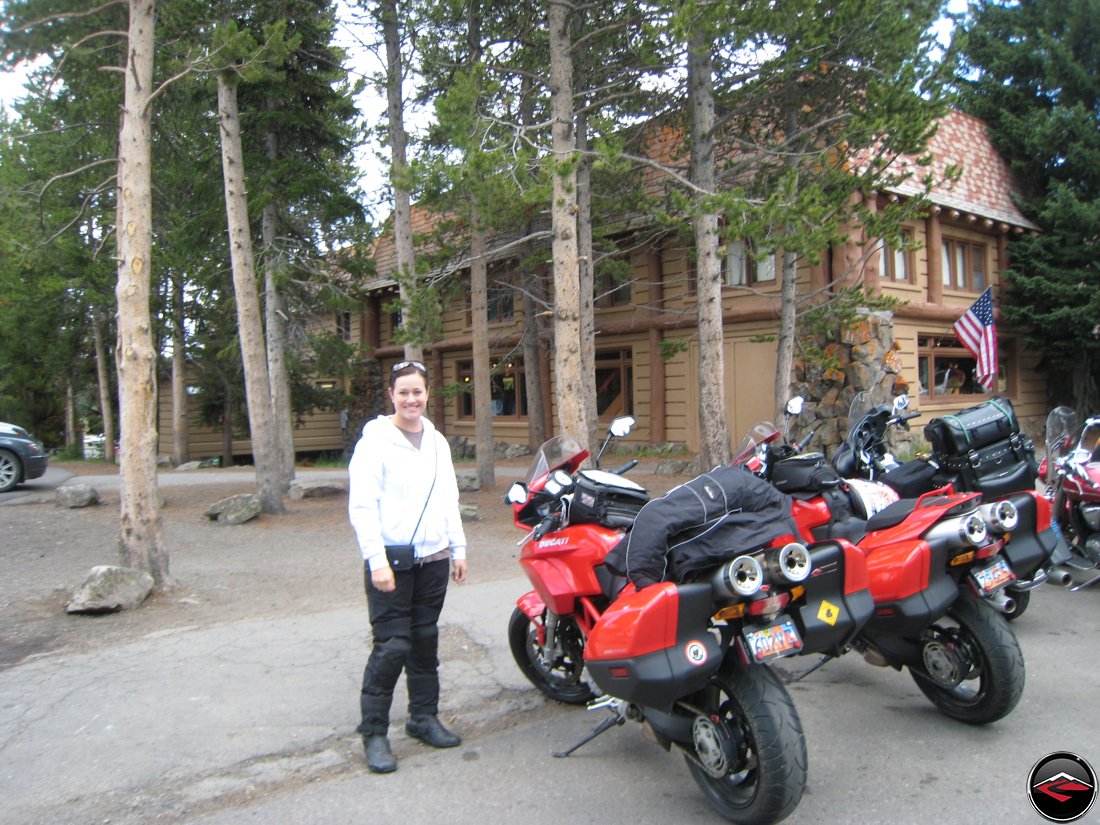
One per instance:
[(980, 449), (687, 658), (937, 572), (1071, 471)]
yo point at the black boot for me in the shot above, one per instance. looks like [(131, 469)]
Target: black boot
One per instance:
[(430, 731), (379, 757)]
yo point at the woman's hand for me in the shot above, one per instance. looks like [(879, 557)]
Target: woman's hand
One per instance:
[(458, 570), (383, 579)]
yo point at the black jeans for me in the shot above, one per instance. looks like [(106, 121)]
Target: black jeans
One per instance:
[(406, 635)]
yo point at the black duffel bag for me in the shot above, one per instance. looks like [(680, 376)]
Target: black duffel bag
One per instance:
[(975, 427)]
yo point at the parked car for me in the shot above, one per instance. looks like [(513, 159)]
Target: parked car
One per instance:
[(22, 457)]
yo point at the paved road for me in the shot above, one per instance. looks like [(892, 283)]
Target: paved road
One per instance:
[(252, 721)]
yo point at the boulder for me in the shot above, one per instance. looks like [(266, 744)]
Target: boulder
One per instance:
[(108, 589), (671, 467), (517, 451), (76, 495), (469, 512), (189, 465), (316, 489), (234, 510), (467, 481)]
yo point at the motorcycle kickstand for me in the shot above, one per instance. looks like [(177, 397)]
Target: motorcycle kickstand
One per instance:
[(808, 671), (617, 708)]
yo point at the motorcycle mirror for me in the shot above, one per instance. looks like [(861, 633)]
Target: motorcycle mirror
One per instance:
[(622, 426), (794, 406), (901, 402), (517, 494)]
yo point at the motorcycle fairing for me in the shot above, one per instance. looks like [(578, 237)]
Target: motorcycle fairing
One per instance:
[(652, 646), (911, 587), (562, 566)]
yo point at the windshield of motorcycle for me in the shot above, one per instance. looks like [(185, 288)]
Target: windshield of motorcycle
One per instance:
[(759, 435), (555, 453), (1088, 445), (861, 405), (1062, 425)]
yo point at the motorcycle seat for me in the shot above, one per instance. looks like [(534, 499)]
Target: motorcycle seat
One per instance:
[(891, 515), (611, 583)]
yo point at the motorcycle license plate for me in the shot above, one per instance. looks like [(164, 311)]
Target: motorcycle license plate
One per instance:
[(992, 578), (772, 642)]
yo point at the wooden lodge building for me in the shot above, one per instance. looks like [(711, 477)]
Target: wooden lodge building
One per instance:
[(646, 352)]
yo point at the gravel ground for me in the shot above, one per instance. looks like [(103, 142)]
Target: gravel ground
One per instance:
[(299, 563)]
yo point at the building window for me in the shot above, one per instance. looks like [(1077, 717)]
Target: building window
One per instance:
[(964, 265), (611, 283), (745, 269), (508, 389), (946, 368), (614, 383), (501, 296), (896, 263), (343, 324)]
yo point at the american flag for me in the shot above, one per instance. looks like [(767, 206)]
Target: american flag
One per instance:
[(976, 331)]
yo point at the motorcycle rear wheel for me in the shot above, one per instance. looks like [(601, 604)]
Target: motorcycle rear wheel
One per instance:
[(560, 679), (992, 664), (767, 776)]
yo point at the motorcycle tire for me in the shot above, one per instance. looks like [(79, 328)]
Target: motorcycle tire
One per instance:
[(767, 776), (560, 680), (1021, 600), (994, 679)]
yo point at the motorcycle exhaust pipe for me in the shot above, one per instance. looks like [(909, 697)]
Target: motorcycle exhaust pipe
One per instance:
[(1001, 515), (1060, 576), (790, 563), (959, 531), (739, 578), (1002, 601)]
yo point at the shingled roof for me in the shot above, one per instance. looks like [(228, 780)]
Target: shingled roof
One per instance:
[(987, 187)]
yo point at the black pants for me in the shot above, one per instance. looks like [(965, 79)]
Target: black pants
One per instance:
[(406, 635)]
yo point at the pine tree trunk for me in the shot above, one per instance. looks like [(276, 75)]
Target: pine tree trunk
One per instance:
[(402, 201), (714, 447), (569, 389), (479, 311), (586, 279), (275, 316), (257, 382), (141, 542), (181, 442), (784, 360), (103, 378)]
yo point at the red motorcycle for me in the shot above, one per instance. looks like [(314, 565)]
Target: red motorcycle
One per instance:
[(937, 572), (1071, 471), (688, 658)]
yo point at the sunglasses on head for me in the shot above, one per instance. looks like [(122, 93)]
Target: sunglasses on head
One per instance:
[(400, 365)]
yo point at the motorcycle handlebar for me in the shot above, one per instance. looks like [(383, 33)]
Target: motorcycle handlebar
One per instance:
[(628, 466)]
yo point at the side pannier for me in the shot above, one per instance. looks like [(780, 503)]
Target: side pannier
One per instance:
[(982, 449)]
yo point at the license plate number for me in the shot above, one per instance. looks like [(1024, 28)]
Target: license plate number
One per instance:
[(992, 578), (779, 639)]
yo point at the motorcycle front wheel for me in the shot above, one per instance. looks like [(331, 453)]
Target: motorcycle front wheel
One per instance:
[(750, 752), (974, 647), (560, 678)]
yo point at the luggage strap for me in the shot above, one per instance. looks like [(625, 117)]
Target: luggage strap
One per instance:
[(962, 426)]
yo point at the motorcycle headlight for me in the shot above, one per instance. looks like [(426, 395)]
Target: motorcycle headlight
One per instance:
[(790, 563), (742, 577), (1001, 515)]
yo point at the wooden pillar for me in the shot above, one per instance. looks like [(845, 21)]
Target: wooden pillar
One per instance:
[(934, 250), (655, 275)]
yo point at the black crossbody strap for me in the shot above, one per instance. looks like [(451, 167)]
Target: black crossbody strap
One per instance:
[(435, 475)]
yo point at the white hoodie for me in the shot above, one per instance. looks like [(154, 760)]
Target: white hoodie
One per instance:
[(389, 484)]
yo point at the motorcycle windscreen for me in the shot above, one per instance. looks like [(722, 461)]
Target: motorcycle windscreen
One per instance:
[(652, 647)]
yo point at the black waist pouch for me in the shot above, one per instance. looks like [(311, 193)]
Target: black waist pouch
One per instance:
[(400, 556)]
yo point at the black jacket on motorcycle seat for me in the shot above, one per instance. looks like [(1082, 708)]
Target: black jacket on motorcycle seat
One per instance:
[(710, 519)]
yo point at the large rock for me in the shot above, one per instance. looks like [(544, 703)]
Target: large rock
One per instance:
[(316, 489), (188, 466), (469, 512), (467, 481), (75, 495), (235, 509), (108, 589)]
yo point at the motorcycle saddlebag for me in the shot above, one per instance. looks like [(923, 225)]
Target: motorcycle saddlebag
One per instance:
[(805, 473), (837, 601), (607, 499), (971, 429), (1005, 467)]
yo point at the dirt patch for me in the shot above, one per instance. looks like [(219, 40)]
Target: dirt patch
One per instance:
[(302, 562)]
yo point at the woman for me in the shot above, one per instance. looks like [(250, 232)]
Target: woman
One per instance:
[(403, 491)]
